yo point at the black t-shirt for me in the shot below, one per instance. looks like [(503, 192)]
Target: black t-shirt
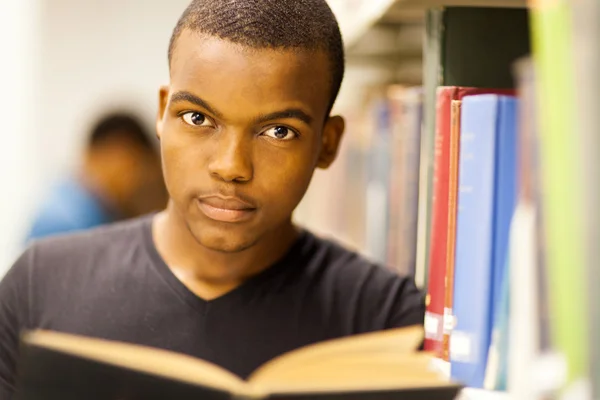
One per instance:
[(111, 283)]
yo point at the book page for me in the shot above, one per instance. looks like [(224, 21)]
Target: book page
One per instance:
[(355, 372), (370, 345)]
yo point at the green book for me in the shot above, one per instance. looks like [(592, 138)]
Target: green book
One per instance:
[(562, 181)]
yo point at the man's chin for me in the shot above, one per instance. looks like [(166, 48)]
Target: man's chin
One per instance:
[(223, 242), (225, 246)]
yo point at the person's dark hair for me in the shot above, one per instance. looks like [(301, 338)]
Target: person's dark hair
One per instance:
[(278, 24), (120, 125)]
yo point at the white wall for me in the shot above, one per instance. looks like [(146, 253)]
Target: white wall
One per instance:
[(97, 53), (18, 52), (61, 63)]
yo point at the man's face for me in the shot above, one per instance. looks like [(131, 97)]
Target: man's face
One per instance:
[(241, 132)]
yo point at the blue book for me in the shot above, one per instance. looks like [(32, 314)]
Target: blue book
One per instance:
[(505, 203), (497, 364), (378, 182), (506, 190), (486, 200)]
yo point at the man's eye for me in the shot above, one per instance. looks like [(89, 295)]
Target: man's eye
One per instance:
[(280, 133), (195, 119)]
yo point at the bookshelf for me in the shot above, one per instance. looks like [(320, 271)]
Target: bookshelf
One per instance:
[(476, 43), (357, 17)]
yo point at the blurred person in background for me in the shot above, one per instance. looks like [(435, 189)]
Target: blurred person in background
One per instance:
[(119, 178)]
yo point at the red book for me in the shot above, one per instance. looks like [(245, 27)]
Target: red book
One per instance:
[(452, 208), (438, 247)]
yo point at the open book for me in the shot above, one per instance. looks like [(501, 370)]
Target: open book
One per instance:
[(380, 365)]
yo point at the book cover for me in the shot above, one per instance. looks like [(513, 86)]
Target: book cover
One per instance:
[(381, 365), (484, 119)]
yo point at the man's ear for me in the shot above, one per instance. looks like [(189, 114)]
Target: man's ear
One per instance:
[(163, 98), (333, 131)]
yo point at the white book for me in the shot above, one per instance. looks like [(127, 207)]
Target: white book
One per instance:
[(523, 332)]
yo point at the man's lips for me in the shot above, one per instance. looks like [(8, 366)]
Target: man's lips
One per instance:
[(225, 209)]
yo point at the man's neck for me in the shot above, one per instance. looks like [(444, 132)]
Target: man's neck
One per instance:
[(210, 273)]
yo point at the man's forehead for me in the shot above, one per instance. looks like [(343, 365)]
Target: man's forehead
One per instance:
[(229, 70), (196, 46)]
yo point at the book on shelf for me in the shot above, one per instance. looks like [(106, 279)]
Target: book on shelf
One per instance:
[(438, 242), (563, 181), (379, 365), (369, 198), (528, 322), (448, 319), (496, 370), (406, 114), (505, 199), (378, 180), (586, 31), (488, 136), (392, 177)]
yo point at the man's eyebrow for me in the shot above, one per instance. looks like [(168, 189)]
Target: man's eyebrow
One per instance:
[(295, 113), (192, 98)]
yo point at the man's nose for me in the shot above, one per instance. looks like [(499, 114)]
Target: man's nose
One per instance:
[(232, 159)]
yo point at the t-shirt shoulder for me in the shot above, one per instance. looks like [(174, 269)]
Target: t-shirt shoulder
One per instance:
[(338, 259), (113, 244), (376, 296)]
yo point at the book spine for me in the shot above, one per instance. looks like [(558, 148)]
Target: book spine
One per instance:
[(529, 192), (411, 159), (404, 185), (505, 202), (452, 204), (432, 49), (439, 229), (506, 189), (378, 184), (470, 337), (396, 198)]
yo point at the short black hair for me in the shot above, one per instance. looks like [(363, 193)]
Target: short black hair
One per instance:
[(120, 125), (276, 24)]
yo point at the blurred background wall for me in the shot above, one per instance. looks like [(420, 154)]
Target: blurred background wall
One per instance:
[(19, 175), (63, 62)]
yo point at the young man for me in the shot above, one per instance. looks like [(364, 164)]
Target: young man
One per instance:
[(119, 178), (222, 273)]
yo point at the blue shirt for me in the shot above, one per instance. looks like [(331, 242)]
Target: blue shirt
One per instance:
[(69, 207)]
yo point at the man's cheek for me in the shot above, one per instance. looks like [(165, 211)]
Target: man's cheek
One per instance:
[(293, 187)]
